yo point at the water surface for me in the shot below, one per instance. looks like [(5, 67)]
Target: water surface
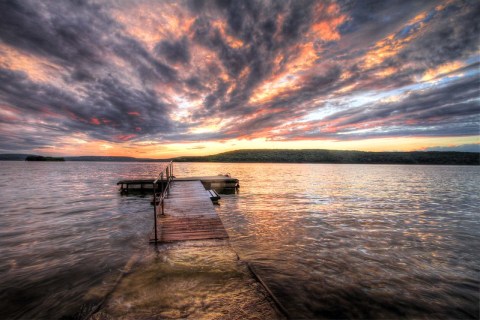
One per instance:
[(330, 241)]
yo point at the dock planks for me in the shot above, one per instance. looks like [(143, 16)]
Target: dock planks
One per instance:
[(189, 214), (221, 183)]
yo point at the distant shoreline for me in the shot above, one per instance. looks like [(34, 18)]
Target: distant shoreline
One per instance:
[(42, 158), (292, 156)]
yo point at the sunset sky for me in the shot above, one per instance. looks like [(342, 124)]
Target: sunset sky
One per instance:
[(170, 78)]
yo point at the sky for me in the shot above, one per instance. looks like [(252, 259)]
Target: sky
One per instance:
[(172, 78)]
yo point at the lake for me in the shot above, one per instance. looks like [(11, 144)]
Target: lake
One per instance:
[(330, 241)]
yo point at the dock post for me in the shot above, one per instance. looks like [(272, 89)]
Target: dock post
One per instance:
[(155, 211), (161, 182), (163, 190), (168, 178)]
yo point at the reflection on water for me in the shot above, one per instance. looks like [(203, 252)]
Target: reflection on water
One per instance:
[(355, 241), (63, 229), (331, 241)]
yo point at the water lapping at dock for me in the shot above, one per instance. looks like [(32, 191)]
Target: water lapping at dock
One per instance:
[(194, 279)]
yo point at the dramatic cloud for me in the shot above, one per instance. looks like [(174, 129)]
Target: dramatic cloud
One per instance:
[(140, 74)]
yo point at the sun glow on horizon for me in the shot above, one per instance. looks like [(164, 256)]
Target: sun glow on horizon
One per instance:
[(165, 151), (165, 79)]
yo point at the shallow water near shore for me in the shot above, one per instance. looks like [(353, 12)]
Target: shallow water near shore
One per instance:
[(194, 279), (330, 241)]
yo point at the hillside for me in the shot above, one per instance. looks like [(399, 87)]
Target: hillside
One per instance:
[(42, 158), (14, 157), (301, 156), (334, 156)]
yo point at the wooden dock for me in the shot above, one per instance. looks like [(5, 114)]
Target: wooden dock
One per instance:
[(189, 214), (183, 210), (219, 183)]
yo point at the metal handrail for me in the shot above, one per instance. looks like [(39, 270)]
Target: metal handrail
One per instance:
[(158, 197)]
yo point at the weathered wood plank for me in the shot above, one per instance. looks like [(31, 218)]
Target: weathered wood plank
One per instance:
[(189, 214)]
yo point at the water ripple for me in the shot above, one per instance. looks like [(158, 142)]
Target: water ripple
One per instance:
[(331, 241)]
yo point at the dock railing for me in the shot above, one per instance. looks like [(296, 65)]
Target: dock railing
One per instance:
[(163, 180)]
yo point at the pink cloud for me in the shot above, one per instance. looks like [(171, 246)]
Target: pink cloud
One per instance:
[(95, 121), (125, 137)]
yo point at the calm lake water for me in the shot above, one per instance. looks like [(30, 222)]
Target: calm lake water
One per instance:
[(330, 241)]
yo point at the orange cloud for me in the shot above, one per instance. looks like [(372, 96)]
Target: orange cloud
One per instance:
[(231, 40), (274, 87), (442, 70), (288, 79), (306, 58), (386, 72), (330, 20)]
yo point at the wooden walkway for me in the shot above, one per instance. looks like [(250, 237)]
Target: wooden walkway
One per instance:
[(189, 215), (210, 182)]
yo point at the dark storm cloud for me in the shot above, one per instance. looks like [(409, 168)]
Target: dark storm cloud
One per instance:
[(373, 19), (451, 34), (146, 66), (174, 51), (254, 23), (83, 39), (450, 104), (269, 31), (298, 19), (112, 84), (63, 30), (454, 33), (261, 21), (79, 35), (117, 113)]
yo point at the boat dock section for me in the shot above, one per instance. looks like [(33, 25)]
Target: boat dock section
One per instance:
[(189, 214), (222, 184)]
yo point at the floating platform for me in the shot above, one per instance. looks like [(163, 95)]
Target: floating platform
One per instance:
[(189, 214), (222, 184)]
